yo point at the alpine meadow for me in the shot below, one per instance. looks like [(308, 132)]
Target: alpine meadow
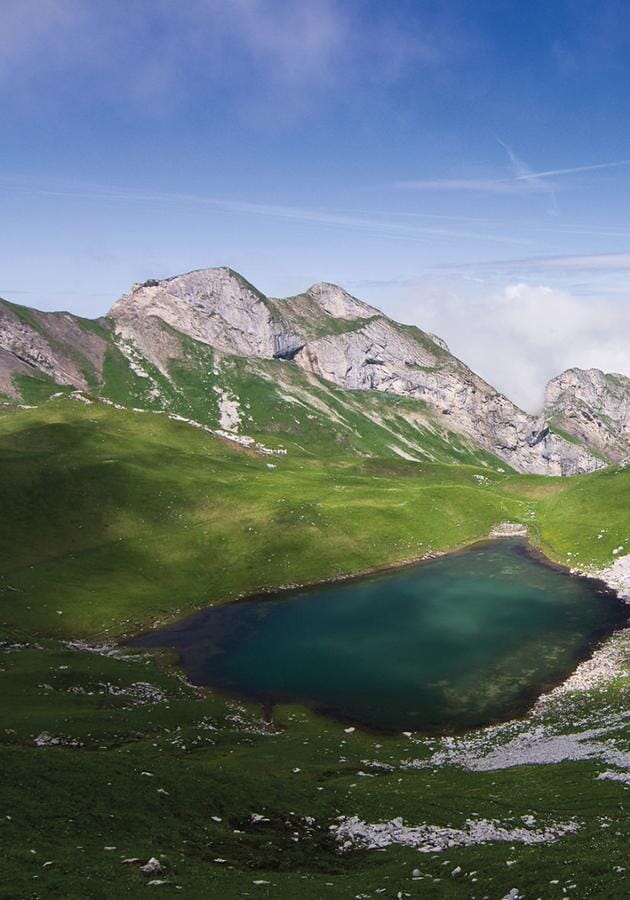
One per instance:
[(315, 532)]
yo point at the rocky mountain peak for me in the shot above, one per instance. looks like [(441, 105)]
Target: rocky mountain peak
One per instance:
[(338, 303), (587, 384), (216, 306)]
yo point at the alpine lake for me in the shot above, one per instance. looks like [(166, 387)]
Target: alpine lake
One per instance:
[(456, 642)]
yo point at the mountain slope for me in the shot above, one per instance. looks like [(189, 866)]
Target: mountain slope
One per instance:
[(55, 348), (384, 356), (331, 334), (121, 519), (593, 407), (146, 364), (321, 370)]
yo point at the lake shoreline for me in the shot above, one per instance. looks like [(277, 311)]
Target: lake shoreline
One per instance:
[(521, 709), (521, 539)]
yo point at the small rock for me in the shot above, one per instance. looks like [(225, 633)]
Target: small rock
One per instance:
[(152, 867), (256, 817)]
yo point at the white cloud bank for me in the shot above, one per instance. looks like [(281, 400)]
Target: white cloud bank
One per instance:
[(519, 337)]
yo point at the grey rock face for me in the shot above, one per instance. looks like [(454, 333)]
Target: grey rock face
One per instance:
[(593, 406), (53, 344), (384, 356), (215, 306), (339, 303)]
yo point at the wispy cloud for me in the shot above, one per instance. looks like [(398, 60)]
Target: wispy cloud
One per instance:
[(523, 179), (573, 170), (524, 174), (587, 262), (474, 185), (368, 225)]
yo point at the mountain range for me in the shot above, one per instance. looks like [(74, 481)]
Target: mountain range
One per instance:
[(321, 372)]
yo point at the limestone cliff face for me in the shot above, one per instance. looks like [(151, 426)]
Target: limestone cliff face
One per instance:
[(215, 306), (339, 303), (439, 341), (593, 406), (384, 356)]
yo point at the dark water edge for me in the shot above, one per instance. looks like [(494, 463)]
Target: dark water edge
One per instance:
[(226, 632)]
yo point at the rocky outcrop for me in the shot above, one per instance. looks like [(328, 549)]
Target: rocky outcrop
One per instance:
[(439, 341), (215, 306), (339, 303), (56, 345), (594, 407)]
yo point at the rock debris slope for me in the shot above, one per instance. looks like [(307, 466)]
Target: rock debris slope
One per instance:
[(198, 342)]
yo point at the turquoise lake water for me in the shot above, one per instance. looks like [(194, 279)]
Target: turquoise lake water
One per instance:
[(459, 641)]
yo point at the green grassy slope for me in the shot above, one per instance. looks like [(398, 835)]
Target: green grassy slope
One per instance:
[(112, 519), (181, 778), (137, 516), (306, 316), (278, 402)]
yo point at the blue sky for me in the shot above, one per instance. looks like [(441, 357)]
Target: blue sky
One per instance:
[(464, 165)]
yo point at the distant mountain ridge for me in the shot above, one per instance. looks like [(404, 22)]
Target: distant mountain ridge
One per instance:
[(322, 369)]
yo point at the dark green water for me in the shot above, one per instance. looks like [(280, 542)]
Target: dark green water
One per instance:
[(462, 640)]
